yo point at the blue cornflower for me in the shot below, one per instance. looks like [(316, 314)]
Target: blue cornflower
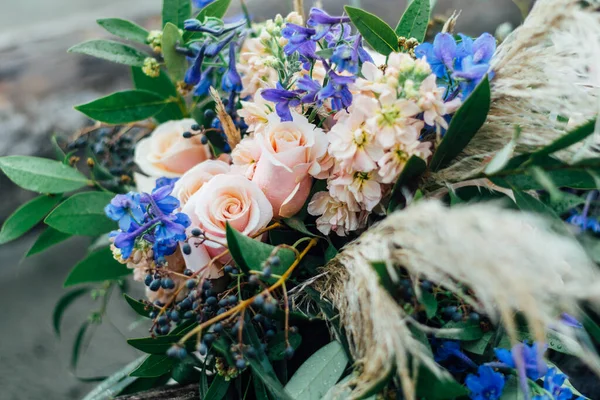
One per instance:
[(201, 3), (337, 90), (194, 72), (125, 208), (323, 22), (553, 383), (311, 87), (486, 385), (440, 55), (526, 359), (299, 40), (232, 82), (283, 99)]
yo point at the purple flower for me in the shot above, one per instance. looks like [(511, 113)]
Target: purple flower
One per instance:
[(447, 349), (473, 61), (486, 385), (323, 22), (299, 40), (337, 90), (213, 49), (583, 220), (341, 32), (194, 72), (553, 383), (311, 87), (526, 359), (164, 181), (440, 55), (232, 82), (203, 86), (125, 208), (570, 320), (347, 57), (283, 99)]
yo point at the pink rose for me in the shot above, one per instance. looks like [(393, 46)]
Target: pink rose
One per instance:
[(227, 198), (196, 177), (291, 155), (167, 153), (245, 156)]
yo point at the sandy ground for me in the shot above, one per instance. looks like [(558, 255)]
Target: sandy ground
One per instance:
[(33, 362)]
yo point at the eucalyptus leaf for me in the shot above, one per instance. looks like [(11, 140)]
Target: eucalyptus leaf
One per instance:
[(78, 344), (137, 306), (98, 266), (164, 87), (41, 174), (566, 202), (479, 346), (277, 345), (111, 51), (154, 365), (62, 304), (82, 214), (218, 388), (319, 373), (124, 107), (415, 20), (175, 62), (124, 29), (26, 217), (430, 386), (464, 331), (380, 36), (176, 12), (464, 125), (48, 238), (157, 345), (114, 384), (577, 135)]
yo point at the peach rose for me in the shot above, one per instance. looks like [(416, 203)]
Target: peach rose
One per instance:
[(196, 177), (167, 153), (245, 156), (291, 155), (229, 198)]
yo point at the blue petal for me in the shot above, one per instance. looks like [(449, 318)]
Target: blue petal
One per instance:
[(484, 48), (444, 48)]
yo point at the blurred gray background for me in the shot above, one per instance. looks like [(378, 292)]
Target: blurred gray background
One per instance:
[(39, 84)]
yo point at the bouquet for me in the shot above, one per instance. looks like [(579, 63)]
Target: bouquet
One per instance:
[(324, 206)]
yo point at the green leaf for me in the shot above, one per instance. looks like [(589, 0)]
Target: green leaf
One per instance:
[(576, 176), (464, 125), (415, 20), (99, 266), (385, 280), (114, 384), (430, 303), (413, 169), (298, 225), (175, 62), (380, 36), (566, 202), (429, 386), (124, 29), (479, 346), (137, 306), (124, 107), (112, 51), (78, 344), (319, 373), (526, 202), (175, 12), (164, 87), (48, 238), (41, 174), (465, 331), (216, 9), (82, 214), (277, 345), (502, 158), (261, 367), (512, 390), (62, 304), (250, 254), (556, 341), (575, 136), (218, 388), (26, 217), (154, 366)]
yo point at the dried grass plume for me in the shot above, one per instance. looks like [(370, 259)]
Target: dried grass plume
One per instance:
[(511, 261)]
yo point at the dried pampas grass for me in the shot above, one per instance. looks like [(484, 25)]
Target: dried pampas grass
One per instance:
[(546, 71), (511, 261)]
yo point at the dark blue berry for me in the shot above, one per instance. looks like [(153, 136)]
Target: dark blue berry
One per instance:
[(187, 135), (258, 300), (223, 302), (176, 352), (206, 285), (209, 338), (211, 301), (221, 311), (164, 330), (474, 317), (202, 349), (195, 127), (269, 308), (232, 300), (188, 272), (186, 248), (148, 279), (289, 352), (153, 314), (258, 318), (227, 269), (204, 139), (240, 364), (270, 333), (185, 304), (235, 271), (218, 327), (209, 115), (426, 285), (251, 352), (274, 261), (253, 280), (190, 284), (168, 283), (155, 285), (196, 232), (174, 315), (449, 311), (266, 272), (163, 320), (457, 316), (188, 315), (195, 305)]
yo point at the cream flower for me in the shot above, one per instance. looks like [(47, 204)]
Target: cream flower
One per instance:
[(432, 103), (393, 162), (334, 215), (245, 156), (396, 119), (360, 191), (255, 67), (256, 112), (196, 177), (351, 141)]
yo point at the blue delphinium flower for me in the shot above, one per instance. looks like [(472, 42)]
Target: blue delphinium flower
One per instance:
[(232, 82), (164, 181), (299, 40), (337, 90), (347, 57), (583, 220), (206, 80), (194, 72), (283, 99), (486, 385), (311, 88), (525, 358), (570, 320), (201, 3), (157, 223), (323, 22), (473, 61), (440, 55), (450, 349), (553, 383)]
